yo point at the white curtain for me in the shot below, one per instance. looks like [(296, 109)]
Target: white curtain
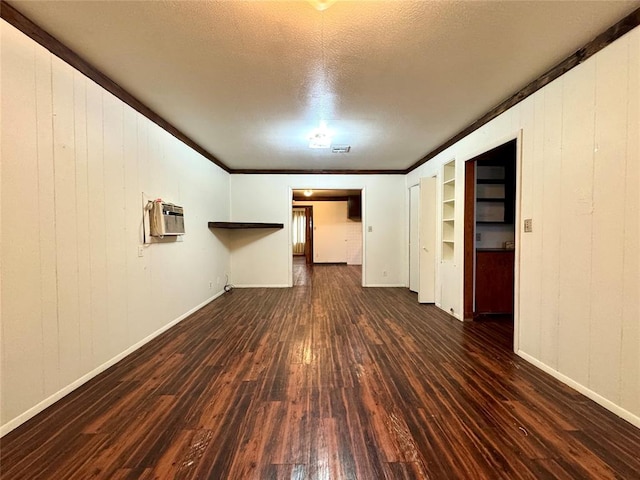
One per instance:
[(299, 229)]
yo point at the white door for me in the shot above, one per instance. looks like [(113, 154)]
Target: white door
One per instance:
[(427, 287), (414, 240)]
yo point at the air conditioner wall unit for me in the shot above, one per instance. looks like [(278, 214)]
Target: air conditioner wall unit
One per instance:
[(166, 219)]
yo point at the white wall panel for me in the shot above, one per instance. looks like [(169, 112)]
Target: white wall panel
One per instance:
[(576, 210), (114, 222), (529, 332), (579, 268), (75, 295), (132, 200), (21, 315), (97, 225), (138, 288), (66, 225), (145, 170), (550, 229), (47, 223), (83, 236), (607, 250), (630, 351)]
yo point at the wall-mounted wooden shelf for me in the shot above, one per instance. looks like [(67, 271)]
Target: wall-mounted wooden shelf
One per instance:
[(243, 225)]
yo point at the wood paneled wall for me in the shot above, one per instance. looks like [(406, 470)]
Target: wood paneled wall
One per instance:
[(75, 163), (579, 270)]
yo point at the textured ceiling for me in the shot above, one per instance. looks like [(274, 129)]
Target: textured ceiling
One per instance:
[(250, 80)]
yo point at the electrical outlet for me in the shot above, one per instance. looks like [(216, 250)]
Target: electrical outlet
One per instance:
[(140, 251), (528, 225), (384, 274), (370, 229), (478, 237), (210, 284)]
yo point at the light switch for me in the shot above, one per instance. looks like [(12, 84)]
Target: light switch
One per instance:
[(370, 229)]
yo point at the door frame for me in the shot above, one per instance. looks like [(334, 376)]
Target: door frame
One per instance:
[(469, 261), (469, 231), (308, 246), (289, 206)]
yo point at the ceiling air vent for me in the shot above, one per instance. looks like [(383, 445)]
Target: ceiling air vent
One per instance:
[(341, 149)]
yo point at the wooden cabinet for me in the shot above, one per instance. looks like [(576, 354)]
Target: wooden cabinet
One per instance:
[(494, 281)]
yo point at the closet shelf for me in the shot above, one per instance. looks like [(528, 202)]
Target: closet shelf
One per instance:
[(244, 225)]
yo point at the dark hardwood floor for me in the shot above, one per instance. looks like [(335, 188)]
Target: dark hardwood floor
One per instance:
[(301, 271), (324, 381)]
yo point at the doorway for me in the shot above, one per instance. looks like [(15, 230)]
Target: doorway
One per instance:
[(489, 234), (422, 239), (302, 233), (326, 229)]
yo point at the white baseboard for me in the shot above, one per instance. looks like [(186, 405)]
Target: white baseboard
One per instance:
[(385, 285), (600, 400), (47, 402), (262, 286)]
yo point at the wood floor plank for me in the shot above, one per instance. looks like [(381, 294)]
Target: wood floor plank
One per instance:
[(326, 380)]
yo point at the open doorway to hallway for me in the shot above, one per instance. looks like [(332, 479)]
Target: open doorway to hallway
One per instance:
[(302, 233), (326, 229)]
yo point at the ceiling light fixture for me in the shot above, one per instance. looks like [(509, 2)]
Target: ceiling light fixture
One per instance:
[(320, 137), (308, 193), (321, 5)]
